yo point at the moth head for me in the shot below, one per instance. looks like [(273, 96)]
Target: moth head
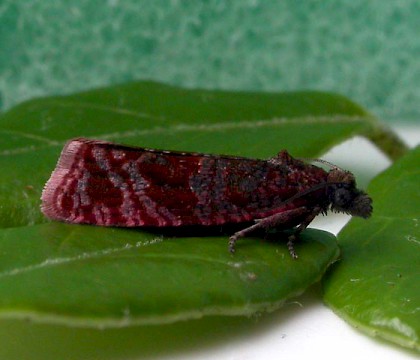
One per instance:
[(345, 197)]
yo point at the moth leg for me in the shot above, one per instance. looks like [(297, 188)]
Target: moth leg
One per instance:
[(267, 223), (302, 226)]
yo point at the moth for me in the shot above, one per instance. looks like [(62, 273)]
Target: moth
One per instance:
[(102, 183)]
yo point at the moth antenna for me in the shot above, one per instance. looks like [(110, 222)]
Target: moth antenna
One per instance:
[(312, 189), (325, 162), (306, 192)]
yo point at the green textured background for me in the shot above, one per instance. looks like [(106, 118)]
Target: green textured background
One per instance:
[(367, 50)]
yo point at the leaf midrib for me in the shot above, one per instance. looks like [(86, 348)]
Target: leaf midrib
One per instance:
[(185, 127), (104, 253)]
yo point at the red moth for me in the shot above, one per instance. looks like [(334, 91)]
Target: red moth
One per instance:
[(102, 183)]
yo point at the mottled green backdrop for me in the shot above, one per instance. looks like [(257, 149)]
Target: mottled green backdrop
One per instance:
[(367, 50)]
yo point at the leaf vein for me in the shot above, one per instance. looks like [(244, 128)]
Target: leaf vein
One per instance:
[(81, 257), (232, 125), (208, 127)]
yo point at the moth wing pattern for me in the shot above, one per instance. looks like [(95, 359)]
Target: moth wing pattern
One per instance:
[(101, 183)]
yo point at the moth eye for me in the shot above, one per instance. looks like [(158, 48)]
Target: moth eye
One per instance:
[(342, 197)]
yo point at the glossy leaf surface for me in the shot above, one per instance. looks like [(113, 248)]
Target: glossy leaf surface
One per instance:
[(376, 284), (93, 276)]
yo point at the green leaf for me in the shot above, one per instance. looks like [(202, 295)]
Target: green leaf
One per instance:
[(105, 277), (25, 340), (161, 116), (375, 286), (92, 276)]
